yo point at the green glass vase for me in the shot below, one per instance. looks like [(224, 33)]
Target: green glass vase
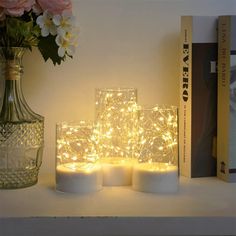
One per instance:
[(21, 129)]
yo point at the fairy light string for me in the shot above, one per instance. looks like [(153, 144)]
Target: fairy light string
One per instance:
[(123, 130), (117, 122), (76, 142), (158, 134)]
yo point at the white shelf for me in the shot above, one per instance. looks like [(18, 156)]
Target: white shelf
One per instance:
[(202, 206)]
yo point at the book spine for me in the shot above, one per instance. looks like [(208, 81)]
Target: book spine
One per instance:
[(185, 97), (223, 97)]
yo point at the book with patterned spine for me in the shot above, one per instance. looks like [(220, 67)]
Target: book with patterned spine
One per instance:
[(198, 96)]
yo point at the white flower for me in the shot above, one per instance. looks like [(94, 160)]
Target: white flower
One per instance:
[(72, 36), (67, 42), (46, 24), (65, 46), (64, 22)]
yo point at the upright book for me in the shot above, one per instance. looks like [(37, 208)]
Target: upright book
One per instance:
[(198, 96), (226, 140)]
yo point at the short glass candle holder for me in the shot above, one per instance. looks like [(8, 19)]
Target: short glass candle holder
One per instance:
[(157, 168), (117, 120), (77, 164)]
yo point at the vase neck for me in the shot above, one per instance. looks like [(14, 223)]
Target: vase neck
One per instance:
[(13, 105), (11, 63), (13, 70)]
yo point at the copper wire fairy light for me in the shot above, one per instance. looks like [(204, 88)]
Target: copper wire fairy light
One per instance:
[(158, 135), (116, 118), (76, 142)]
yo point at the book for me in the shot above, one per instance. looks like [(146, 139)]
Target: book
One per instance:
[(198, 96), (226, 138)]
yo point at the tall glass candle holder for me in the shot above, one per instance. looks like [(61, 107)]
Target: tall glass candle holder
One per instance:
[(117, 119), (77, 164), (157, 168)]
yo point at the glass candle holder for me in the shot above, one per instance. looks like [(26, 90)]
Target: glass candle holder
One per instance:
[(77, 164), (157, 168), (117, 119)]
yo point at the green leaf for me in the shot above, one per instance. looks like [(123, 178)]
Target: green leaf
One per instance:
[(19, 32), (49, 49)]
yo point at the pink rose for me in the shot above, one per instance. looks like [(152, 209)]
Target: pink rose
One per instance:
[(16, 7), (55, 6)]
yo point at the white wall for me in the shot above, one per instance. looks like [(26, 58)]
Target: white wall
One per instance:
[(126, 43)]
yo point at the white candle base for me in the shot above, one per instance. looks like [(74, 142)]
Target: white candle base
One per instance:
[(155, 178), (117, 171), (79, 177)]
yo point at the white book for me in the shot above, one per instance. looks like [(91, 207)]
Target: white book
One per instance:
[(226, 136)]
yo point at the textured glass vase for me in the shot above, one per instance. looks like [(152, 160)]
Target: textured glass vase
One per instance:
[(21, 130)]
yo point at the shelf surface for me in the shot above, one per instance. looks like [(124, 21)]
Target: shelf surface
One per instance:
[(202, 205)]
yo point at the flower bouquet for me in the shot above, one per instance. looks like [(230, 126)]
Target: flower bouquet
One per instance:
[(46, 24), (49, 26)]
